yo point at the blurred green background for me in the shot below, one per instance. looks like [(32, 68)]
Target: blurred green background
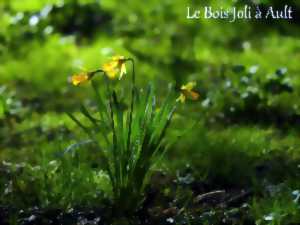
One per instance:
[(247, 73)]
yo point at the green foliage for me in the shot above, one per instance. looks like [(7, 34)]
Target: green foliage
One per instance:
[(279, 208), (248, 79), (61, 183), (132, 140)]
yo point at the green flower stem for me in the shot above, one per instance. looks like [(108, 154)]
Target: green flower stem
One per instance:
[(132, 102)]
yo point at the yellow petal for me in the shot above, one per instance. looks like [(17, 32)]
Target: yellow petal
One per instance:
[(123, 70), (189, 86), (115, 66), (118, 58), (80, 78), (110, 69), (112, 74), (108, 66), (181, 98)]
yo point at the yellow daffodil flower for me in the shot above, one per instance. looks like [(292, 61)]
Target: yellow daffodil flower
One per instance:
[(79, 78), (114, 67), (187, 92), (82, 77)]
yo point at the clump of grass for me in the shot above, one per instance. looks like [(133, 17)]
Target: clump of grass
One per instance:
[(130, 140)]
